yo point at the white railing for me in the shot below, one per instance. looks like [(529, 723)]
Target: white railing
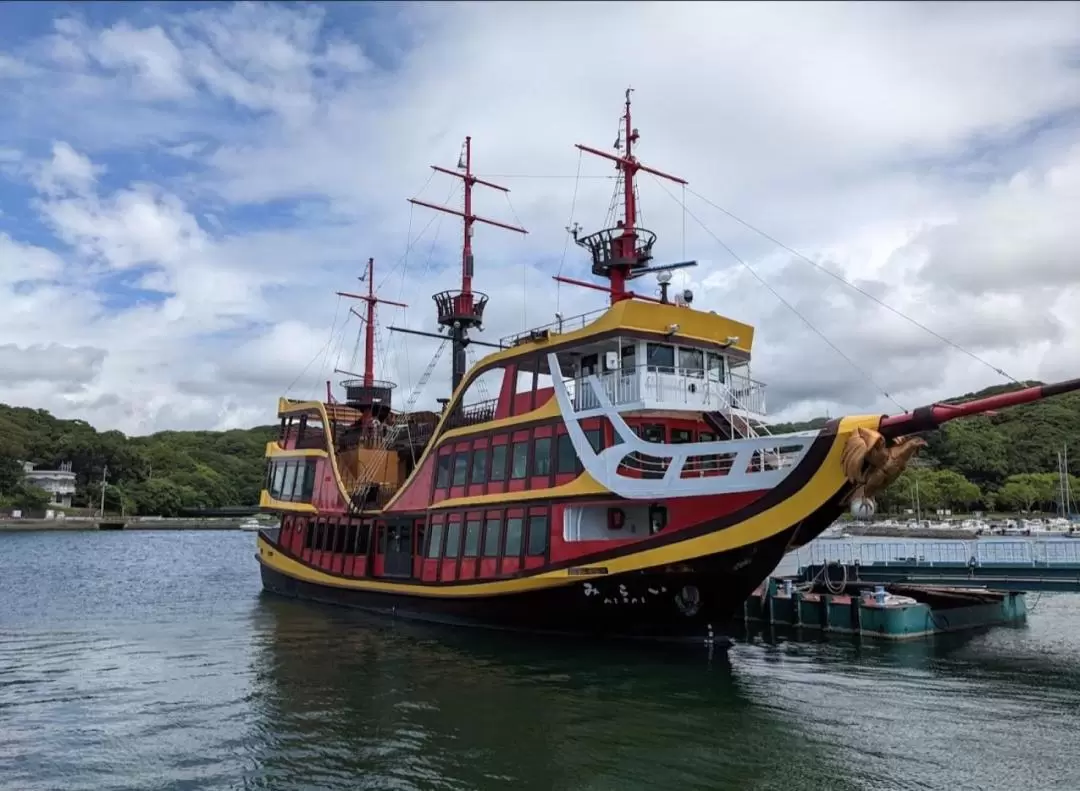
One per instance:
[(672, 388), (930, 553), (746, 394)]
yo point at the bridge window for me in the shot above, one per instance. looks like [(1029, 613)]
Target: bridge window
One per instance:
[(692, 362), (660, 356), (716, 367), (479, 465), (492, 528), (566, 458), (681, 435), (542, 456), (472, 538), (513, 537), (519, 460), (442, 480), (453, 540), (461, 468), (628, 353), (435, 541), (498, 463), (538, 535)]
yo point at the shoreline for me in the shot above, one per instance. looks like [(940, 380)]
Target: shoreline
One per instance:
[(76, 524), (946, 534)]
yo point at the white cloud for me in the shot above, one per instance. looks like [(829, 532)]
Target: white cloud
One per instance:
[(216, 175)]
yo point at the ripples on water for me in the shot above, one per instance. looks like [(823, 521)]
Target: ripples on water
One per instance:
[(151, 660)]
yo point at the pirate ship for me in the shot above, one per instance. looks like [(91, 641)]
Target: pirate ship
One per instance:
[(623, 481)]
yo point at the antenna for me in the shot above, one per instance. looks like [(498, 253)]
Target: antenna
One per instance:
[(463, 310), (623, 252)]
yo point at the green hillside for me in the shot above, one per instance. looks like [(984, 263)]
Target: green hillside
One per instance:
[(157, 474)]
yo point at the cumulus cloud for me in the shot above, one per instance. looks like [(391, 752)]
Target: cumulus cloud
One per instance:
[(211, 177)]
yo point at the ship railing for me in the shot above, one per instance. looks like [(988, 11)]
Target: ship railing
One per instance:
[(557, 327), (472, 414), (650, 386), (1035, 553)]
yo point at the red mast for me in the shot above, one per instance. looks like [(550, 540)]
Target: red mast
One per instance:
[(463, 310), (369, 325), (620, 253)]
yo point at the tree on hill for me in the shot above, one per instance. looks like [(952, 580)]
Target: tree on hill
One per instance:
[(157, 474)]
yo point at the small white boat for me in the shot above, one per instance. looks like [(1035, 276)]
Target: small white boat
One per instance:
[(251, 524)]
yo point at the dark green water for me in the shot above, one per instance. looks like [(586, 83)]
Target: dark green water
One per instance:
[(152, 661)]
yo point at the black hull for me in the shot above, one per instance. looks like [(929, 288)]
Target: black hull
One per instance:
[(695, 599)]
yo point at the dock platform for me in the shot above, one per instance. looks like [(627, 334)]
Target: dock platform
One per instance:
[(1026, 565), (891, 612)]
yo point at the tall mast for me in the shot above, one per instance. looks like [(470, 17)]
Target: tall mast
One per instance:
[(368, 386), (462, 310), (622, 253)]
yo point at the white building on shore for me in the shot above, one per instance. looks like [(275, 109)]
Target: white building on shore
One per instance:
[(60, 484)]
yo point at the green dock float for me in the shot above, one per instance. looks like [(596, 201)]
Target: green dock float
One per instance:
[(891, 612)]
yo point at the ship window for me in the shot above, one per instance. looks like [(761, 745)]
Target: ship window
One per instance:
[(542, 456), (309, 481), (520, 460), (461, 468), (479, 465), (538, 535), (692, 362), (498, 463), (453, 540), (628, 356), (442, 480), (513, 537), (363, 536), (588, 364), (279, 479), (309, 535), (341, 533), (290, 481), (652, 433), (435, 544), (596, 439), (681, 435), (716, 367), (492, 528), (472, 538), (566, 458), (660, 355), (706, 436)]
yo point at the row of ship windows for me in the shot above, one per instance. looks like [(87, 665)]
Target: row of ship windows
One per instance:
[(476, 538), (451, 541), (292, 480), (458, 469), (471, 467)]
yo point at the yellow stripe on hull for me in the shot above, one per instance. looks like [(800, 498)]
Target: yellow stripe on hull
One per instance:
[(825, 482)]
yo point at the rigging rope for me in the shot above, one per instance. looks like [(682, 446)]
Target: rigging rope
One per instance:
[(524, 269), (851, 285), (866, 374), (569, 225)]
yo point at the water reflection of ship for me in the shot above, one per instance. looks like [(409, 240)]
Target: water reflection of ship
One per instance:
[(350, 701)]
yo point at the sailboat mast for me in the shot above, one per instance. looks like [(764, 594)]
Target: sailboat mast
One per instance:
[(369, 320), (462, 310), (622, 252)]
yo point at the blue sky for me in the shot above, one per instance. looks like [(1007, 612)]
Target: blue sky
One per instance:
[(184, 186)]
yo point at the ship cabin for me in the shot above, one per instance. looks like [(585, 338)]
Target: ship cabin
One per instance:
[(499, 488)]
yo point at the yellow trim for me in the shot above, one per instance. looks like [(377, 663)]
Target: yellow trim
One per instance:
[(275, 451), (549, 410), (826, 481), (584, 484), (269, 503)]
